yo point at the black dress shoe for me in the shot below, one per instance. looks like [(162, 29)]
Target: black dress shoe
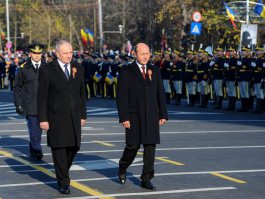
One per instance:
[(122, 176), (64, 189), (148, 185)]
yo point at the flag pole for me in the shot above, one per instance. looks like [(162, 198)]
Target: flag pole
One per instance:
[(247, 15)]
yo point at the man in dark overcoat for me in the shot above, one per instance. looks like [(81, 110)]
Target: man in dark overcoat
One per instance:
[(25, 97), (62, 109), (142, 109)]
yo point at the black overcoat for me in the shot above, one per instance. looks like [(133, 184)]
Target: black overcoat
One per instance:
[(142, 103), (62, 103), (26, 88)]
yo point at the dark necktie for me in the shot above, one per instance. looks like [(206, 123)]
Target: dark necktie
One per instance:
[(66, 72), (143, 71), (37, 66)]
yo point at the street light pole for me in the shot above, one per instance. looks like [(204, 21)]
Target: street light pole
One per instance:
[(247, 15), (7, 21), (101, 37)]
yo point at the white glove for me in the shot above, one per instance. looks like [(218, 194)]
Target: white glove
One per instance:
[(226, 65), (171, 63), (253, 64), (263, 65), (239, 63), (212, 63)]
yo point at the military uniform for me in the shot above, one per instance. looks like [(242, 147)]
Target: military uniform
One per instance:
[(202, 78), (166, 75), (258, 67), (230, 79), (218, 77), (25, 99), (190, 78), (177, 72), (244, 77), (2, 72)]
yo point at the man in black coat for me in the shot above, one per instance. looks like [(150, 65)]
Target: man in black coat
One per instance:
[(25, 97), (62, 109), (142, 108)]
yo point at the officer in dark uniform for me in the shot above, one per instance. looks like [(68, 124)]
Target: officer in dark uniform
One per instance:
[(25, 97), (218, 76), (190, 78), (166, 75), (12, 72), (230, 78), (258, 78), (202, 77), (2, 71), (90, 67), (177, 73), (244, 77)]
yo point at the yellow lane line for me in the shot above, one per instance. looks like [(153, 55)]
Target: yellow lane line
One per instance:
[(228, 178), (169, 161), (103, 143), (74, 184), (165, 160)]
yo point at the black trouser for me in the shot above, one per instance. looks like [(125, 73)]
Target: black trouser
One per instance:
[(62, 159), (129, 154)]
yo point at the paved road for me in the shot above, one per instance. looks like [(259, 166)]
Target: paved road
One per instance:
[(204, 154)]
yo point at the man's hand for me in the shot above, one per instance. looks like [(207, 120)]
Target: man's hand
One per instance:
[(126, 124), (83, 122), (162, 121), (44, 126), (19, 110)]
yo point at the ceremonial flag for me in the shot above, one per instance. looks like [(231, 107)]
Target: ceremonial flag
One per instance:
[(231, 14), (84, 37), (90, 36), (3, 36), (260, 9)]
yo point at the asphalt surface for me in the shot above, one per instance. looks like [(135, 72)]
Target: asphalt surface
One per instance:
[(204, 154)]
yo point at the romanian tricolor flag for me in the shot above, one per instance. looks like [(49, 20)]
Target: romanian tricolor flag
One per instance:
[(90, 36), (84, 37), (260, 9), (231, 14)]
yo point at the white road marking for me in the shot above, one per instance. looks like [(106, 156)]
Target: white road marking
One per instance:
[(89, 142), (159, 149), (170, 121), (111, 134), (12, 118), (156, 192), (138, 175), (104, 113)]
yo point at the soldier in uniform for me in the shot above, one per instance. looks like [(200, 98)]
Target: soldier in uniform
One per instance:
[(203, 75), (12, 72), (230, 78), (190, 78), (2, 71), (25, 97), (257, 79), (177, 72), (244, 77), (89, 65), (166, 75), (218, 76)]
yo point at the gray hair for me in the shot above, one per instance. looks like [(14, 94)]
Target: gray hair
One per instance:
[(59, 43)]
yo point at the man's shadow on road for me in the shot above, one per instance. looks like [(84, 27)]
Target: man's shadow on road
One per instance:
[(105, 167), (90, 163)]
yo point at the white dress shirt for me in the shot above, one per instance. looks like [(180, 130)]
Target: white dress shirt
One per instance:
[(34, 63), (63, 68), (140, 67)]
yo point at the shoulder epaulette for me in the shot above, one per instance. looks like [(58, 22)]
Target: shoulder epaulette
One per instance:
[(23, 64)]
